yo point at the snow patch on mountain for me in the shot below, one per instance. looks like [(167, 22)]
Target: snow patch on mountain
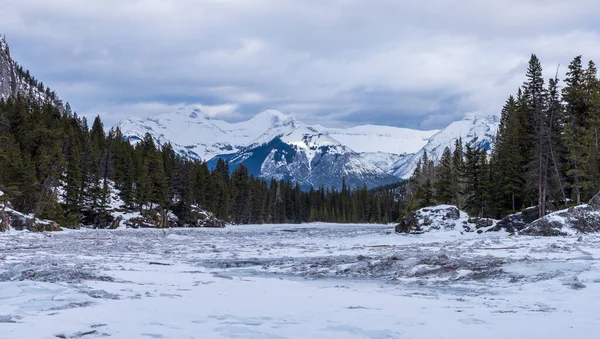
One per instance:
[(385, 139), (476, 131)]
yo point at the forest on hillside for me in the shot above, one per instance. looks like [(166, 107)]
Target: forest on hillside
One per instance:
[(546, 153), (54, 166)]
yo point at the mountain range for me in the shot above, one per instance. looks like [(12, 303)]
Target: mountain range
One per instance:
[(275, 145)]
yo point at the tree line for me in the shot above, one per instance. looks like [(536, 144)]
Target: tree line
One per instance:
[(546, 153), (54, 166)]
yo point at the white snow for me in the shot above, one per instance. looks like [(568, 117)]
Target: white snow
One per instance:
[(296, 281), (386, 139)]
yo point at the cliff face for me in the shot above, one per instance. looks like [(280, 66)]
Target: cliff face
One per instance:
[(14, 80), (8, 75)]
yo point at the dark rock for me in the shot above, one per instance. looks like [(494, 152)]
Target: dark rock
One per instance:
[(453, 213), (4, 222), (139, 222), (516, 222), (407, 223), (483, 222), (582, 219), (21, 222), (545, 228), (115, 224), (595, 201)]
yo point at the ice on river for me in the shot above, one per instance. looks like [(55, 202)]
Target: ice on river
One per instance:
[(297, 281)]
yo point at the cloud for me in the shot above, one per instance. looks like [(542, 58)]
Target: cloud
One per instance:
[(144, 109), (340, 62)]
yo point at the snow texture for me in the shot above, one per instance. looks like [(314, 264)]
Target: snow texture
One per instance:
[(297, 281)]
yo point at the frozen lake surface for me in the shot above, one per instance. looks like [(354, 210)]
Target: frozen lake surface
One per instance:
[(297, 281)]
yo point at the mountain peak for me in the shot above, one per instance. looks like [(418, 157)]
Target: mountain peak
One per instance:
[(490, 119), (271, 117)]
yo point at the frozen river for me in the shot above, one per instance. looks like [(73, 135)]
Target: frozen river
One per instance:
[(297, 281)]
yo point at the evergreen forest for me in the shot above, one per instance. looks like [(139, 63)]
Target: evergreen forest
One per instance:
[(546, 153)]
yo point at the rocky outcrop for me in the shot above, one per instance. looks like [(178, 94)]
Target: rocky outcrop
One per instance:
[(483, 223), (579, 219), (153, 219), (19, 222), (516, 222), (204, 219), (116, 223), (443, 217), (4, 222), (408, 223), (595, 201), (14, 80)]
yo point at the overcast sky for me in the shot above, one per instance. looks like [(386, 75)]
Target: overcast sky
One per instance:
[(418, 64)]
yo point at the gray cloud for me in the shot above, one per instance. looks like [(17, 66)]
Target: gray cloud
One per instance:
[(340, 62)]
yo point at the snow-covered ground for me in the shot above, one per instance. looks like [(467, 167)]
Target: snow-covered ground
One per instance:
[(297, 281)]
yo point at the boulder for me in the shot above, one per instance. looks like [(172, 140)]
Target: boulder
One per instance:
[(544, 228), (20, 222), (408, 223), (483, 222), (595, 201), (452, 213), (4, 221), (516, 222), (443, 217), (580, 219), (115, 224), (139, 222), (202, 218), (212, 221)]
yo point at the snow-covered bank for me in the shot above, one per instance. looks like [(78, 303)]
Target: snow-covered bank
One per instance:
[(296, 281)]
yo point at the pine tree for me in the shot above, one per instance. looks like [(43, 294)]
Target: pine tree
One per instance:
[(535, 95), (445, 189), (575, 118), (458, 164), (508, 159)]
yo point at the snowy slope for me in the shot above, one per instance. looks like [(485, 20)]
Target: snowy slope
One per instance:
[(385, 139), (473, 130)]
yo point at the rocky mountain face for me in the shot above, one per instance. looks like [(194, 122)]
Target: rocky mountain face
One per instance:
[(8, 78), (275, 145), (14, 80)]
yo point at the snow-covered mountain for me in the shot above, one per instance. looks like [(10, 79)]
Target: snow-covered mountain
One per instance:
[(480, 131), (275, 145)]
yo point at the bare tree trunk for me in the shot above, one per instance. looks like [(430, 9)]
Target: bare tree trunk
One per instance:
[(513, 201), (45, 185)]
